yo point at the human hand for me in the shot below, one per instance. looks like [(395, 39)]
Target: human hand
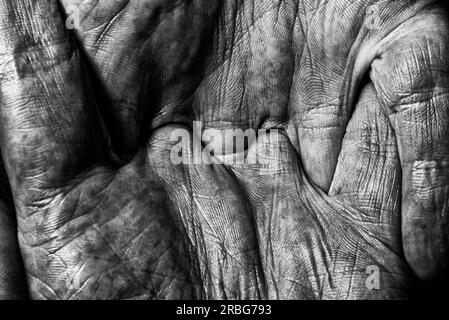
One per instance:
[(102, 211)]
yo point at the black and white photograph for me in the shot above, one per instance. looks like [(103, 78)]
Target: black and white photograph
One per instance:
[(243, 151)]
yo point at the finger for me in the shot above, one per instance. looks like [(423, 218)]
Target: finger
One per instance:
[(148, 55), (12, 276), (368, 173), (324, 87), (108, 35), (331, 66), (411, 77), (50, 129)]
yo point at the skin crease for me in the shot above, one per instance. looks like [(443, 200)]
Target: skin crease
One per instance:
[(358, 177)]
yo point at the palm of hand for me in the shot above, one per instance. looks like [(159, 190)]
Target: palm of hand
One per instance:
[(146, 228)]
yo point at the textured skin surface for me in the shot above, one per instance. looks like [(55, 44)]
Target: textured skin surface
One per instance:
[(358, 178)]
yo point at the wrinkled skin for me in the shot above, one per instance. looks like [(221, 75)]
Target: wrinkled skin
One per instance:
[(358, 178)]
